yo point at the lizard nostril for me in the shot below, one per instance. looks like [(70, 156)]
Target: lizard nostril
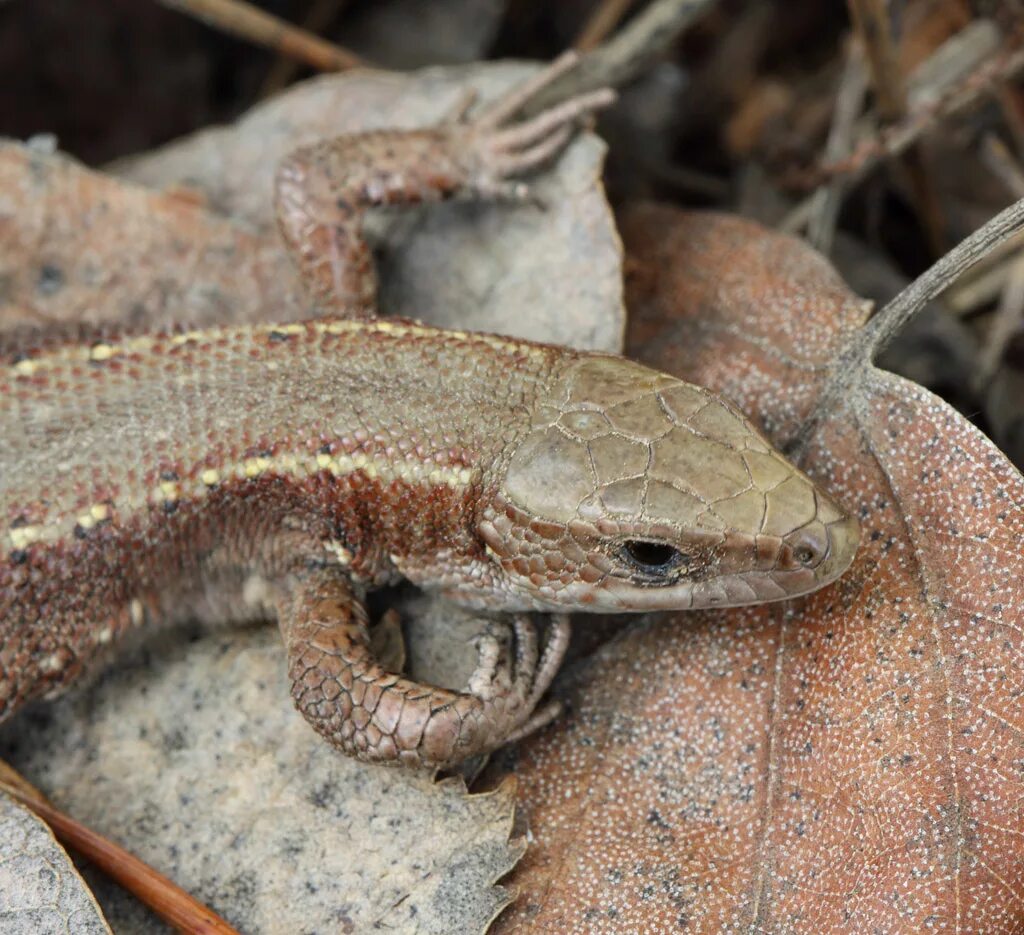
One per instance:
[(825, 551)]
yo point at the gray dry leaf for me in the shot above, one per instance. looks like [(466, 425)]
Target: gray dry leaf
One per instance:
[(41, 892), (190, 754)]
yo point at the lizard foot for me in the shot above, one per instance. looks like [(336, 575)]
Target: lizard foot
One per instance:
[(341, 688), (322, 191), (510, 689), (499, 149)]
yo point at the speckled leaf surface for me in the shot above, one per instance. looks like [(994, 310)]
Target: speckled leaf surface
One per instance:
[(41, 892), (81, 246), (189, 233), (849, 762), (191, 756)]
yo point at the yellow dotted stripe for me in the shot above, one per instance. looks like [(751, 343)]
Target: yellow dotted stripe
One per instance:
[(286, 464), (24, 536), (82, 353), (97, 513)]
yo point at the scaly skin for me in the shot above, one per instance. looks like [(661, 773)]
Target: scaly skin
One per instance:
[(290, 468), (512, 476)]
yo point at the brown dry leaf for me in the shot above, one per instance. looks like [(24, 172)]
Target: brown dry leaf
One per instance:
[(80, 246), (850, 762)]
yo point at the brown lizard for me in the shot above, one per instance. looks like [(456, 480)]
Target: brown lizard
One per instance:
[(230, 472)]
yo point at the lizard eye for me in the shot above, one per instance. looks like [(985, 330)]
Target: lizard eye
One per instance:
[(804, 555), (652, 558)]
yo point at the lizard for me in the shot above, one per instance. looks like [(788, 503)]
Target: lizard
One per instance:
[(288, 469)]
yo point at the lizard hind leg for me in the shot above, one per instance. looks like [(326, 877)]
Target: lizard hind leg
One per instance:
[(379, 716)]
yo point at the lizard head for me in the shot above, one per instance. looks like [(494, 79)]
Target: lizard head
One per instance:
[(633, 490)]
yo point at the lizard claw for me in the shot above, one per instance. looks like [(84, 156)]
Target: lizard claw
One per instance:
[(510, 689), (506, 106)]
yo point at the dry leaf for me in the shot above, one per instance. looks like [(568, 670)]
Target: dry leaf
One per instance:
[(191, 756), (850, 762), (41, 892), (80, 246)]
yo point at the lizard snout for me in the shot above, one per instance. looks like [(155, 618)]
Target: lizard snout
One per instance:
[(842, 539)]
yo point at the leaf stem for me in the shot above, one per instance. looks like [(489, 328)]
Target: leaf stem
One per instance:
[(869, 341), (242, 19), (884, 326)]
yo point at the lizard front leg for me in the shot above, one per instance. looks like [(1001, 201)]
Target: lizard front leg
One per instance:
[(323, 191), (380, 716)]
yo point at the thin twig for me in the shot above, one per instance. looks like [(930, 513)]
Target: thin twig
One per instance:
[(872, 21), (1010, 312), (247, 22), (953, 62), (627, 54), (984, 284), (1007, 319), (166, 899), (319, 17), (827, 200), (946, 72), (898, 138), (852, 364), (991, 279), (926, 199), (998, 159), (935, 280), (601, 23), (1013, 115)]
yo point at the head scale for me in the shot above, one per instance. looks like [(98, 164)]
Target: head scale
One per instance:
[(633, 490)]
